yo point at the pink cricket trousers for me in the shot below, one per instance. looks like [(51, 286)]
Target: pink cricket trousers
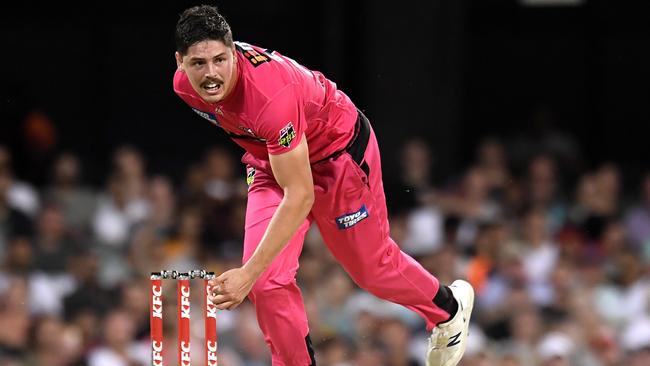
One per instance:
[(350, 211)]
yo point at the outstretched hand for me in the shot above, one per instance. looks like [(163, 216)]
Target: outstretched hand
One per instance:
[(231, 288)]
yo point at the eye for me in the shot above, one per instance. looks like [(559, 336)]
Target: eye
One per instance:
[(197, 63), (219, 60)]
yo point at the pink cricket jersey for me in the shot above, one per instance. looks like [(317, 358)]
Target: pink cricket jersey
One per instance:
[(274, 102)]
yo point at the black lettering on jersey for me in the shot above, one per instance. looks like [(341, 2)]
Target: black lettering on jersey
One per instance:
[(209, 116), (254, 56)]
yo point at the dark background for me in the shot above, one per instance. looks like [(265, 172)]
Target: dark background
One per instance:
[(450, 71)]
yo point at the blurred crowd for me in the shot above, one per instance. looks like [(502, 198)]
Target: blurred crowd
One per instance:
[(557, 250)]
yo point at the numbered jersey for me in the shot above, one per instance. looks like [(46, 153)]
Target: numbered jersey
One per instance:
[(274, 103)]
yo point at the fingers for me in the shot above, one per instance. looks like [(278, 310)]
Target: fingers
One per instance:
[(220, 299), (217, 287), (224, 301), (220, 296), (216, 282), (226, 305), (216, 290), (221, 278)]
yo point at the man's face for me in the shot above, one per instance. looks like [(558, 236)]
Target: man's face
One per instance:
[(211, 67)]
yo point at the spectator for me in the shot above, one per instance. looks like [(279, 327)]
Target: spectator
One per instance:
[(20, 195), (544, 191), (491, 160), (554, 286), (55, 344), (129, 167), (18, 258), (182, 249), (636, 342), (119, 347), (12, 222), (52, 244), (65, 190), (540, 256), (637, 220), (221, 190), (471, 203), (556, 349), (332, 297), (525, 328), (14, 318), (162, 201), (117, 214), (89, 301)]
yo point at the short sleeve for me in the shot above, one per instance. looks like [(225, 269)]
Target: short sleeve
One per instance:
[(282, 121)]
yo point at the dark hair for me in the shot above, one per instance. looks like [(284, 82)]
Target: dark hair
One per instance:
[(200, 23)]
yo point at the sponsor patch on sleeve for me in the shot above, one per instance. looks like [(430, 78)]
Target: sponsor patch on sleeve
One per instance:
[(287, 134), (250, 176), (350, 219)]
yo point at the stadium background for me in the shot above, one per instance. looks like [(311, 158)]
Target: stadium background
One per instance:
[(493, 116)]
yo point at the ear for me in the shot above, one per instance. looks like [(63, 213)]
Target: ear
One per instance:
[(179, 60)]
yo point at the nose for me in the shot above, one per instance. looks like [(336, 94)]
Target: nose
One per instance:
[(212, 69)]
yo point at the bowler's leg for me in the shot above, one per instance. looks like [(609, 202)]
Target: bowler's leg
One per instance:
[(276, 296), (350, 211)]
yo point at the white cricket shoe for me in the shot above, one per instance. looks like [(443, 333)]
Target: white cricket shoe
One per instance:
[(449, 340)]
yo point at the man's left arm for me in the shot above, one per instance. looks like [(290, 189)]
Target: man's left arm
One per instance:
[(292, 172)]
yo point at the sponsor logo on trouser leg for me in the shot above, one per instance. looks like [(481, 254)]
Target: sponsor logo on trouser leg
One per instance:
[(350, 219)]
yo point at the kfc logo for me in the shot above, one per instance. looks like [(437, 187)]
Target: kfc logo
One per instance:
[(185, 353), (156, 356), (185, 302), (156, 301), (212, 353)]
